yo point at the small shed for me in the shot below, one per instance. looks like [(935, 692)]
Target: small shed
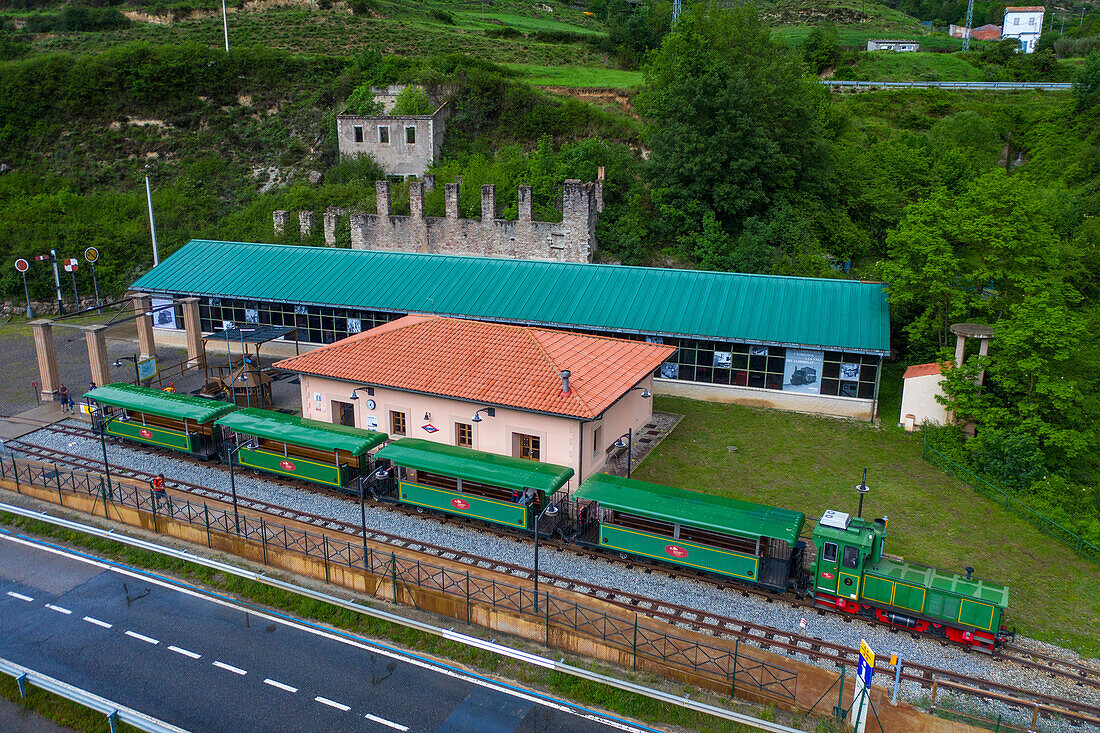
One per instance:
[(921, 386), (893, 45)]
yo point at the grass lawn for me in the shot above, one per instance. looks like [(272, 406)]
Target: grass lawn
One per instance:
[(577, 76), (920, 66), (812, 464)]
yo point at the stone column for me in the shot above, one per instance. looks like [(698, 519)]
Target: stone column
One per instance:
[(429, 182), (147, 346), (382, 197), (306, 222), (329, 220), (47, 357), (525, 203), (450, 193), (97, 354), (488, 202), (193, 330), (578, 220), (278, 220), (417, 224)]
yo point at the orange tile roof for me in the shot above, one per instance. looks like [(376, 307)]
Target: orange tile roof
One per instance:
[(1026, 9), (493, 363), (923, 370)]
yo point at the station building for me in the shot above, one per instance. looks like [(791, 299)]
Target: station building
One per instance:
[(544, 395), (804, 344)]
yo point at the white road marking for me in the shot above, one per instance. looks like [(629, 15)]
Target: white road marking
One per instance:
[(59, 609), (20, 596), (185, 652), (280, 685), (143, 637), (97, 622), (355, 643), (390, 723), (231, 668), (332, 703)]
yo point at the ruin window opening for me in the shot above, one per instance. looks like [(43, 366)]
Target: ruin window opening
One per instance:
[(410, 136), (358, 130), (384, 134)]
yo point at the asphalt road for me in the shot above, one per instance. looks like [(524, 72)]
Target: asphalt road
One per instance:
[(207, 665)]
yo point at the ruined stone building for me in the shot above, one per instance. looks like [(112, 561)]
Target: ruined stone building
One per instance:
[(573, 239), (404, 145)]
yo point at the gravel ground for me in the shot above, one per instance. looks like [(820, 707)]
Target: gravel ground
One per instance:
[(609, 574)]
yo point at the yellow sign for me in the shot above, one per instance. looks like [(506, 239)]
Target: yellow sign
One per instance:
[(866, 653)]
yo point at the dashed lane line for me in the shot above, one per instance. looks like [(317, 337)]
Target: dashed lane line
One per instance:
[(185, 652), (142, 637), (332, 703), (280, 685), (231, 668), (20, 596), (59, 609), (97, 622), (390, 723)]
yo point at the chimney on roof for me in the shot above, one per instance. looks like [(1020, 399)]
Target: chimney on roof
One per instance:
[(565, 374)]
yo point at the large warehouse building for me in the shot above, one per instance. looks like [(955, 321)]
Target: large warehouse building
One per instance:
[(806, 344)]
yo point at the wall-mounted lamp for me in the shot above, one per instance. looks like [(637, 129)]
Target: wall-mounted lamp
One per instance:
[(369, 391), (645, 392), (489, 411), (381, 474), (427, 416)]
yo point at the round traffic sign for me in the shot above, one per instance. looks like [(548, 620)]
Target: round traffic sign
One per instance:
[(91, 254), (22, 265)]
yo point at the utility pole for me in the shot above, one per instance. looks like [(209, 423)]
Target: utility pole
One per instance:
[(969, 20), (225, 26), (152, 223), (675, 10)]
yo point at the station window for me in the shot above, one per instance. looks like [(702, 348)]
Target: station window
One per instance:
[(464, 434), (851, 557), (384, 134), (410, 135), (358, 132), (397, 422), (528, 447), (829, 553)]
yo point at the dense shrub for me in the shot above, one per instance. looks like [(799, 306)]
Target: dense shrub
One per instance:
[(75, 17)]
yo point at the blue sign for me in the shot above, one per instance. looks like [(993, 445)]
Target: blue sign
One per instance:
[(864, 671)]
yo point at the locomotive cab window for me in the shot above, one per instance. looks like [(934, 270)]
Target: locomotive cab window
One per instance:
[(851, 557), (829, 553)]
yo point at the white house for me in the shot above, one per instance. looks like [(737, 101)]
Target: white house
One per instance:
[(1024, 24), (918, 397), (888, 45)]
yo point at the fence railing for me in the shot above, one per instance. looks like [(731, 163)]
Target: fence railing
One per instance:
[(987, 488), (740, 669), (982, 85)]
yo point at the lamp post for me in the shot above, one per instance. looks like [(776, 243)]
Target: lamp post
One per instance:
[(103, 442), (152, 223), (549, 510), (231, 451), (629, 435), (120, 359)]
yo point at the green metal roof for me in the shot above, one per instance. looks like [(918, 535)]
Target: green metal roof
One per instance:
[(300, 431), (158, 402), (927, 577), (475, 465), (829, 314), (692, 508)]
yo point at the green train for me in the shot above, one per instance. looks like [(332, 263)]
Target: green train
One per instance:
[(841, 562)]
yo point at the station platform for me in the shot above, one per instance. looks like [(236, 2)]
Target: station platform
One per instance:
[(36, 418)]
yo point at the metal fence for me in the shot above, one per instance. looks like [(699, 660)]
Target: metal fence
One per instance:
[(740, 669), (987, 488), (980, 85)]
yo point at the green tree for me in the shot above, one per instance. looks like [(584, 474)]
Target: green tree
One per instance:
[(362, 101), (1086, 86), (822, 48), (734, 124), (412, 100)]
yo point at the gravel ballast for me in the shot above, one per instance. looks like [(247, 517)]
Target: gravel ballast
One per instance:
[(612, 574)]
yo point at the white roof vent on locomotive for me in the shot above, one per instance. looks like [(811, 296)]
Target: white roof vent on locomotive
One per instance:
[(835, 519)]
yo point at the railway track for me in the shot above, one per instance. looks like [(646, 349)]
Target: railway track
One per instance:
[(764, 637)]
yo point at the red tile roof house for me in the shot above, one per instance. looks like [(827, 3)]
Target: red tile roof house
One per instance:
[(552, 396), (918, 397)]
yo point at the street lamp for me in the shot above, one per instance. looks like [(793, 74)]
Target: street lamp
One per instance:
[(489, 412), (629, 435), (369, 391), (379, 475), (231, 451), (99, 410), (645, 391), (120, 359), (549, 510)]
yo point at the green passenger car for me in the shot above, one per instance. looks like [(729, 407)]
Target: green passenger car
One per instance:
[(469, 483), (852, 574), (158, 418), (752, 542), (312, 450)]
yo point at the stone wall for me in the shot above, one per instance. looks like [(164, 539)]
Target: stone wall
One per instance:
[(571, 240)]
